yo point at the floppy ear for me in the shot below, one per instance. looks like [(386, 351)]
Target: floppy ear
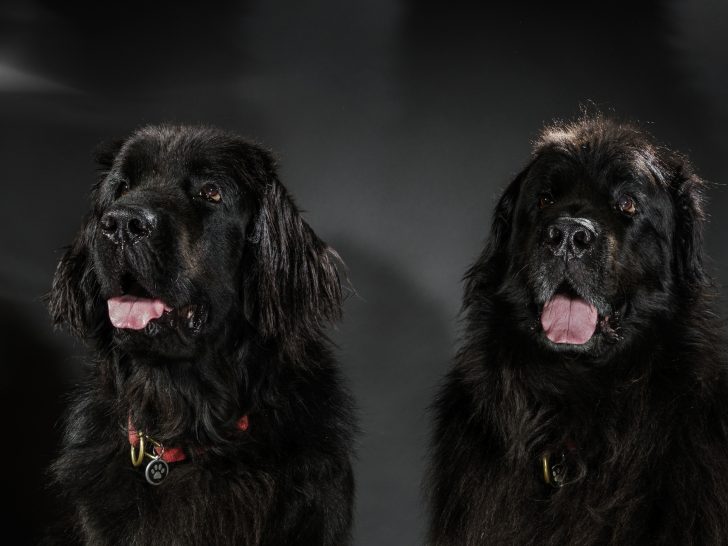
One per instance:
[(688, 191), (292, 284), (491, 264), (74, 297)]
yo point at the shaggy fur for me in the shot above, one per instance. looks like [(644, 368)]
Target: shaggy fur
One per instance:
[(639, 413), (259, 286)]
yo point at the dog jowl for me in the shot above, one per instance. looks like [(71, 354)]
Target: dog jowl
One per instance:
[(205, 295), (592, 370)]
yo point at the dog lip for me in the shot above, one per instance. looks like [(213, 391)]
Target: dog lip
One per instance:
[(608, 324), (190, 316), (571, 289), (130, 285), (566, 288), (133, 307), (155, 311)]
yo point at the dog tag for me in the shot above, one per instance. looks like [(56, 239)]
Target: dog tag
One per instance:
[(156, 471)]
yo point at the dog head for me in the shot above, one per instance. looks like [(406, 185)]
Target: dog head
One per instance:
[(594, 239), (192, 238)]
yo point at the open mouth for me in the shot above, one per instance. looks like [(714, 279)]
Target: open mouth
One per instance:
[(136, 309), (567, 318)]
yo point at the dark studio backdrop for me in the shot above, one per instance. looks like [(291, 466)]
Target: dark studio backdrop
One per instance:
[(396, 124)]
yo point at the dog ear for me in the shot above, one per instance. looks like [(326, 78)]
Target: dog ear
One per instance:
[(292, 283), (491, 264), (500, 231), (688, 191), (73, 299)]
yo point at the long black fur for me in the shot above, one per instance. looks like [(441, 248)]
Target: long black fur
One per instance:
[(644, 409), (270, 286)]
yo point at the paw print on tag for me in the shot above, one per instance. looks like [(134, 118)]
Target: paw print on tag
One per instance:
[(156, 471)]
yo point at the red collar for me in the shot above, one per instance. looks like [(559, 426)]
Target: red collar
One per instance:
[(174, 454)]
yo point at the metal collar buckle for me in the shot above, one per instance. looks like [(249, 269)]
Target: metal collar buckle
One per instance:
[(157, 469), (554, 469)]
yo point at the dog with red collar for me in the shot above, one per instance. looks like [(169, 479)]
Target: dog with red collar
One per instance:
[(214, 412)]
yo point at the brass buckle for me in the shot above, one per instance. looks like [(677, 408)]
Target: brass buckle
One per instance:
[(553, 474), (137, 458), (157, 469)]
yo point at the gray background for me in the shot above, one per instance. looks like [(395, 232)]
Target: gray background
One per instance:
[(396, 124)]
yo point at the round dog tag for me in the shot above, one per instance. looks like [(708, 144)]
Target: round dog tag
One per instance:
[(156, 471)]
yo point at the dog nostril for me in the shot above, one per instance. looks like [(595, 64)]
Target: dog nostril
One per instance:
[(108, 223), (553, 235), (137, 228), (581, 239)]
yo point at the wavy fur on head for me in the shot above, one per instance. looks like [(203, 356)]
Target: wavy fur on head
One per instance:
[(639, 412), (251, 288)]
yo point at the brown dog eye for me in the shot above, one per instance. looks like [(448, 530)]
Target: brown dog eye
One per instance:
[(545, 200), (626, 204), (122, 189), (211, 192)]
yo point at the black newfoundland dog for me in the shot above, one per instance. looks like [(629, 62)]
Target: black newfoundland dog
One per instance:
[(215, 413), (588, 403)]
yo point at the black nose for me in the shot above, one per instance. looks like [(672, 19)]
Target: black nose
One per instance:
[(570, 237), (128, 224)]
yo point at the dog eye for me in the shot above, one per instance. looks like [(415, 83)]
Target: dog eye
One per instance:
[(626, 205), (211, 192), (122, 189), (545, 200)]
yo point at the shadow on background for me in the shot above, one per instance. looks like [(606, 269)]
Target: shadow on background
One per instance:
[(394, 343), (31, 402)]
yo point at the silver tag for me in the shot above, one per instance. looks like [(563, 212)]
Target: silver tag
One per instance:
[(156, 471)]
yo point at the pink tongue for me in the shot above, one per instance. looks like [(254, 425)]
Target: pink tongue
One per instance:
[(568, 320), (134, 313)]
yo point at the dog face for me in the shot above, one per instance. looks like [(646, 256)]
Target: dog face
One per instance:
[(192, 239), (594, 239), (169, 242)]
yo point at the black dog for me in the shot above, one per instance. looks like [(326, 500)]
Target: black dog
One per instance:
[(205, 295), (588, 403)]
